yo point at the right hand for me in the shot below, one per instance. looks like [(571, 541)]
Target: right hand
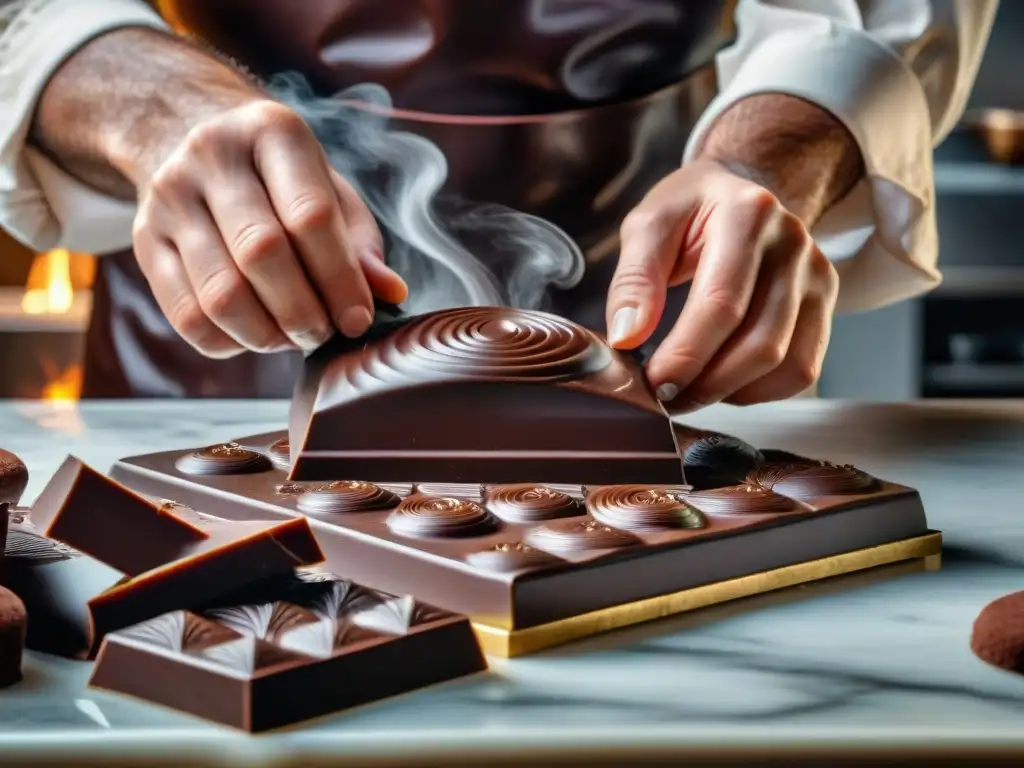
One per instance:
[(251, 241)]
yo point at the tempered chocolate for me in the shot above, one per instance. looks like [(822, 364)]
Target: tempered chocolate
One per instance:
[(475, 395), (314, 647), (477, 555), (13, 478), (12, 637), (998, 634), (95, 515)]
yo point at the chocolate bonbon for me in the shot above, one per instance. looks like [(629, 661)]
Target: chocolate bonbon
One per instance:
[(997, 637), (807, 482), (315, 648), (637, 508), (479, 558), (12, 637), (475, 395), (346, 496), (223, 459), (13, 478)]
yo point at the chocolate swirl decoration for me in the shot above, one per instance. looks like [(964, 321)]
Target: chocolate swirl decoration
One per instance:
[(440, 517), (526, 503), (715, 460), (495, 343), (507, 557), (741, 500), (347, 496), (574, 536), (280, 453), (803, 482), (639, 508), (223, 459)]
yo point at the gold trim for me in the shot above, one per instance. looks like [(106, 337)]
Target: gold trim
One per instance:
[(517, 642)]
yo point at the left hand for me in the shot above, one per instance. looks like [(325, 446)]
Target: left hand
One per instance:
[(757, 321)]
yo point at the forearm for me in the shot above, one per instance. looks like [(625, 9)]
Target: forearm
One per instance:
[(117, 108), (794, 148)]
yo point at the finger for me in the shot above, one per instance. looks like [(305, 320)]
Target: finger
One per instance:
[(301, 191), (224, 293), (651, 237), (802, 365), (762, 341), (384, 282), (263, 254), (161, 265), (720, 295)]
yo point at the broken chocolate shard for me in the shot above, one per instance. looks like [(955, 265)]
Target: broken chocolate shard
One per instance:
[(485, 394), (98, 516)]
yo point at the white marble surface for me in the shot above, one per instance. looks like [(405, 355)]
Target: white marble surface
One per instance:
[(868, 662)]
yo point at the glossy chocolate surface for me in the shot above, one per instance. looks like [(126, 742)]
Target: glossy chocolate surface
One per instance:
[(475, 395), (298, 648), (526, 553)]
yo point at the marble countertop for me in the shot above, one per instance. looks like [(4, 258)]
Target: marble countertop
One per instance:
[(865, 663)]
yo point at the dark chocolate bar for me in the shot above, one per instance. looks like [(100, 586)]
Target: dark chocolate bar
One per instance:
[(480, 395), (319, 645), (522, 555)]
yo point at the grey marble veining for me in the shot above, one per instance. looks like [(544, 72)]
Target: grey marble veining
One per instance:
[(863, 660)]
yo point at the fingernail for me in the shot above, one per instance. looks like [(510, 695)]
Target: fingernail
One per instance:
[(623, 323), (355, 321), (308, 340), (375, 253), (667, 392)]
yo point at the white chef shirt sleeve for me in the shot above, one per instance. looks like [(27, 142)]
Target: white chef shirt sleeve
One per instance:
[(898, 74), (40, 204)]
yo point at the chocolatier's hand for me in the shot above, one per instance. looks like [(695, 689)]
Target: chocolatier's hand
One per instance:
[(756, 323), (250, 240)]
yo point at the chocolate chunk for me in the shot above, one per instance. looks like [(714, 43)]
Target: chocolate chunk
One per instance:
[(12, 637), (105, 520), (480, 394), (13, 478), (998, 634), (309, 652)]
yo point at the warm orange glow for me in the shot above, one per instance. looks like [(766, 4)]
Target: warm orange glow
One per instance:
[(64, 386), (49, 290)]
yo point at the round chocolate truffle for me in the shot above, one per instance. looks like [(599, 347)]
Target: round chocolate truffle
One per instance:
[(998, 635), (224, 459), (639, 508), (805, 482), (741, 500), (716, 460), (441, 517), (528, 503), (346, 496), (507, 557), (280, 453), (12, 637), (13, 477), (576, 535)]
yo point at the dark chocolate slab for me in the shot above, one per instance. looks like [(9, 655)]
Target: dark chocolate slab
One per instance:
[(520, 556), (480, 394), (318, 645)]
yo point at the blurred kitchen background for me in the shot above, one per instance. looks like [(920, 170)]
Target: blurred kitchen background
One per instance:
[(964, 340)]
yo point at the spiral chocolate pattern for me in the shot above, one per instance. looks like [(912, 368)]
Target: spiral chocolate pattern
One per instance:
[(495, 342), (578, 535), (346, 496), (441, 517), (741, 500), (803, 482), (510, 556), (223, 459), (280, 453), (531, 503), (715, 460), (639, 508)]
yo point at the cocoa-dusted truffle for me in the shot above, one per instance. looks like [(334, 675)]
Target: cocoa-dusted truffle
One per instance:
[(13, 477), (998, 636), (12, 637)]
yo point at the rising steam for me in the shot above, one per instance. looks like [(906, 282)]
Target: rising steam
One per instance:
[(399, 176)]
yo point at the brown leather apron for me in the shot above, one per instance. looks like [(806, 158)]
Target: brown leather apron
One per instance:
[(569, 110)]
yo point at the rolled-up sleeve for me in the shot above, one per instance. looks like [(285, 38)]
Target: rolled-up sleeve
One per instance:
[(897, 73), (40, 204)]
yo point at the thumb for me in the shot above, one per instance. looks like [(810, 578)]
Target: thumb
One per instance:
[(650, 244)]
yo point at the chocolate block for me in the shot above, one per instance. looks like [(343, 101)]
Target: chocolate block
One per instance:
[(95, 515), (480, 395), (312, 648), (523, 555)]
